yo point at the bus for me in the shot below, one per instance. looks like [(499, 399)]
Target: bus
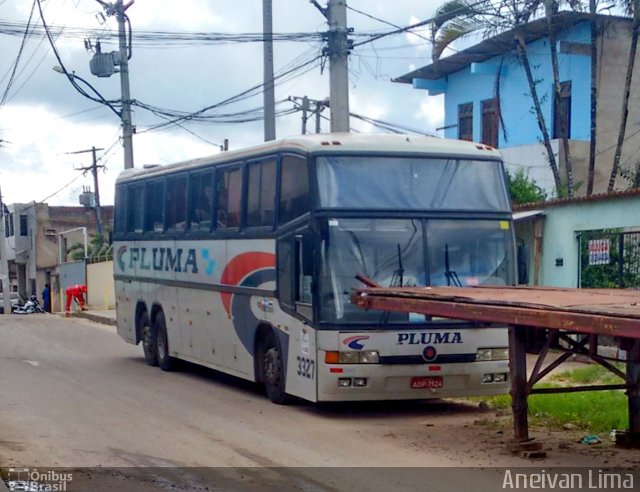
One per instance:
[(244, 262)]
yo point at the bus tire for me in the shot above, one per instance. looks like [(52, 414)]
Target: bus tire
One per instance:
[(272, 370), (165, 361), (148, 339)]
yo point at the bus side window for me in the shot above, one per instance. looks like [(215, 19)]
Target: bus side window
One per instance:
[(285, 271), (303, 268), (154, 206), (294, 188), (201, 201), (295, 269), (176, 203), (261, 193), (135, 208), (229, 197)]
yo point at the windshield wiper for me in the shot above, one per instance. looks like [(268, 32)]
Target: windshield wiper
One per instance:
[(398, 275), (452, 277)]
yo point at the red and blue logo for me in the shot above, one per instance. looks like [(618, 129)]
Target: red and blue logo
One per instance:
[(354, 342), (251, 269)]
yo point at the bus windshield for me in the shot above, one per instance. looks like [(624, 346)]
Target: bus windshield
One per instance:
[(410, 183), (408, 252)]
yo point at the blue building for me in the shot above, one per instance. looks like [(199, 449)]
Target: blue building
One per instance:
[(487, 97)]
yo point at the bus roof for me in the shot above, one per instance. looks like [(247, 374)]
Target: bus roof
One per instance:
[(338, 143)]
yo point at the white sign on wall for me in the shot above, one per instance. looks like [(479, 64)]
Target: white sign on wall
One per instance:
[(599, 251)]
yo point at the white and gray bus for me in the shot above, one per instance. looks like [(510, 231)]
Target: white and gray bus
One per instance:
[(244, 262)]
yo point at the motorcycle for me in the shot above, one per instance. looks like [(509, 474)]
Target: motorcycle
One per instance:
[(29, 307)]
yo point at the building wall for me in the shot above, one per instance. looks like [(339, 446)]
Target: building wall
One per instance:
[(563, 223), (517, 108), (100, 286), (515, 99), (35, 257), (614, 46)]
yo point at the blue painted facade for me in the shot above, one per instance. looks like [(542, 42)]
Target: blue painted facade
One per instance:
[(477, 82)]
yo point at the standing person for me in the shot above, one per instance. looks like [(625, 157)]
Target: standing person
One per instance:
[(46, 298)]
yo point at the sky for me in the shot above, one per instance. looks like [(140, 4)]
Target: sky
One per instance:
[(44, 120)]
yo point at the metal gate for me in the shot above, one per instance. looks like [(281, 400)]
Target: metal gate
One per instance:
[(72, 273), (609, 259)]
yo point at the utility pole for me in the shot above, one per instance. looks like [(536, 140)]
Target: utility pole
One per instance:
[(269, 93), (94, 170), (125, 54), (339, 65), (304, 104), (4, 263), (104, 65), (338, 51)]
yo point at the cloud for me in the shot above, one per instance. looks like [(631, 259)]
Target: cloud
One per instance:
[(45, 117)]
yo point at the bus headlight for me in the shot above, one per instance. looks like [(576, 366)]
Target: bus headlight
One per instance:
[(352, 357), (369, 357), (349, 358), (501, 353), (498, 353)]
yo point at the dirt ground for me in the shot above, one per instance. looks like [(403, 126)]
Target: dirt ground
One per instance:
[(75, 396)]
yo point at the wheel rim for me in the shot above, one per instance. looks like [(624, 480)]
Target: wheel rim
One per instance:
[(271, 370), (162, 345), (146, 338)]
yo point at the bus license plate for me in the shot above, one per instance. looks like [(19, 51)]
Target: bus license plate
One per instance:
[(429, 382)]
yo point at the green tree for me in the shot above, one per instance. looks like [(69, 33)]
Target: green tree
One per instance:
[(632, 8), (523, 189), (97, 245)]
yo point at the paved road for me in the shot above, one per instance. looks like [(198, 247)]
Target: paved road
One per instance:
[(73, 394)]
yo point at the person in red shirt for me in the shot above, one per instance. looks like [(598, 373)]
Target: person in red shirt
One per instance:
[(76, 292)]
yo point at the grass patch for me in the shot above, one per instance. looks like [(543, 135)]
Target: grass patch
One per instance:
[(593, 411)]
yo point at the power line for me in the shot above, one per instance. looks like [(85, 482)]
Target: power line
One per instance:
[(20, 50)]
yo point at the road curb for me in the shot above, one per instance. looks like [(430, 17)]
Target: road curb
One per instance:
[(94, 317)]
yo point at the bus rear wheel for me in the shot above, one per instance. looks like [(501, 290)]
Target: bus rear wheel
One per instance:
[(273, 372), (148, 339), (165, 361)]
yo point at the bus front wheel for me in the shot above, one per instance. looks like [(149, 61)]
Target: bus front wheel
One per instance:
[(165, 361), (273, 370), (147, 337)]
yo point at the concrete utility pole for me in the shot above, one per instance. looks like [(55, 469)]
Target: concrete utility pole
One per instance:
[(94, 170), (304, 104), (269, 92), (4, 263), (338, 65), (125, 52)]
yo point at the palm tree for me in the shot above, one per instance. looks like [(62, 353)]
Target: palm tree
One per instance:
[(594, 96), (632, 7), (551, 10), (459, 18)]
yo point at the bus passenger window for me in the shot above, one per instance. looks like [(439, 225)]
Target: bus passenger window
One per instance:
[(294, 188), (135, 208), (176, 204), (154, 206), (201, 201), (229, 197), (261, 193)]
